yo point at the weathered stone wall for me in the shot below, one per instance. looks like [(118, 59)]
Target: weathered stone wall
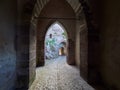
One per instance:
[(82, 45), (106, 16), (83, 54), (110, 43), (25, 44), (58, 9), (91, 12), (32, 54), (22, 57), (7, 44)]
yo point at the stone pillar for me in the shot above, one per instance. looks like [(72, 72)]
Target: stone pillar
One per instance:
[(40, 53), (32, 54), (83, 54), (71, 52), (25, 69), (93, 44)]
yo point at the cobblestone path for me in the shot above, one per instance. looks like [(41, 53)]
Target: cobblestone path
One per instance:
[(58, 75)]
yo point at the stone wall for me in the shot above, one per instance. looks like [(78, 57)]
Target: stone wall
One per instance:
[(32, 54), (110, 43), (7, 44), (82, 45), (91, 11), (25, 44), (106, 16)]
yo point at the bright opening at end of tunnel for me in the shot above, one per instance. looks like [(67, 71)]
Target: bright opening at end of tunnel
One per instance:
[(55, 42)]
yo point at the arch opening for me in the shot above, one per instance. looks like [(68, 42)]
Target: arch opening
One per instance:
[(56, 42)]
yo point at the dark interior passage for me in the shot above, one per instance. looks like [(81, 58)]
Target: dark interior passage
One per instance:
[(93, 29)]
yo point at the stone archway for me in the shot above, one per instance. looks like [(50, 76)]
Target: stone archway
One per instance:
[(81, 13), (40, 42), (80, 26), (55, 39), (43, 24), (69, 45), (63, 49), (29, 18)]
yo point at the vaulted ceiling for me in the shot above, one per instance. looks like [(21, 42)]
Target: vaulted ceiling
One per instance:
[(41, 3), (75, 4)]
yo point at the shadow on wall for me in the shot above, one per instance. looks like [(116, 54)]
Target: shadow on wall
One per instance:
[(7, 48)]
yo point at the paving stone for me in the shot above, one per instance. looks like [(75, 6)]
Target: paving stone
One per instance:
[(58, 75)]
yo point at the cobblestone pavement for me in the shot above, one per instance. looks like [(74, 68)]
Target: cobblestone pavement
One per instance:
[(58, 75)]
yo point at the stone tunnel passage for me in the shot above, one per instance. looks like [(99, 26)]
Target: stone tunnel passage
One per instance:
[(58, 75)]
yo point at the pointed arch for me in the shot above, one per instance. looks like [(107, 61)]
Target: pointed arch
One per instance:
[(50, 33), (69, 27), (39, 6), (60, 25)]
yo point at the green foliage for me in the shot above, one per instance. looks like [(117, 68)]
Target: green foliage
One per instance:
[(50, 42), (64, 34)]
